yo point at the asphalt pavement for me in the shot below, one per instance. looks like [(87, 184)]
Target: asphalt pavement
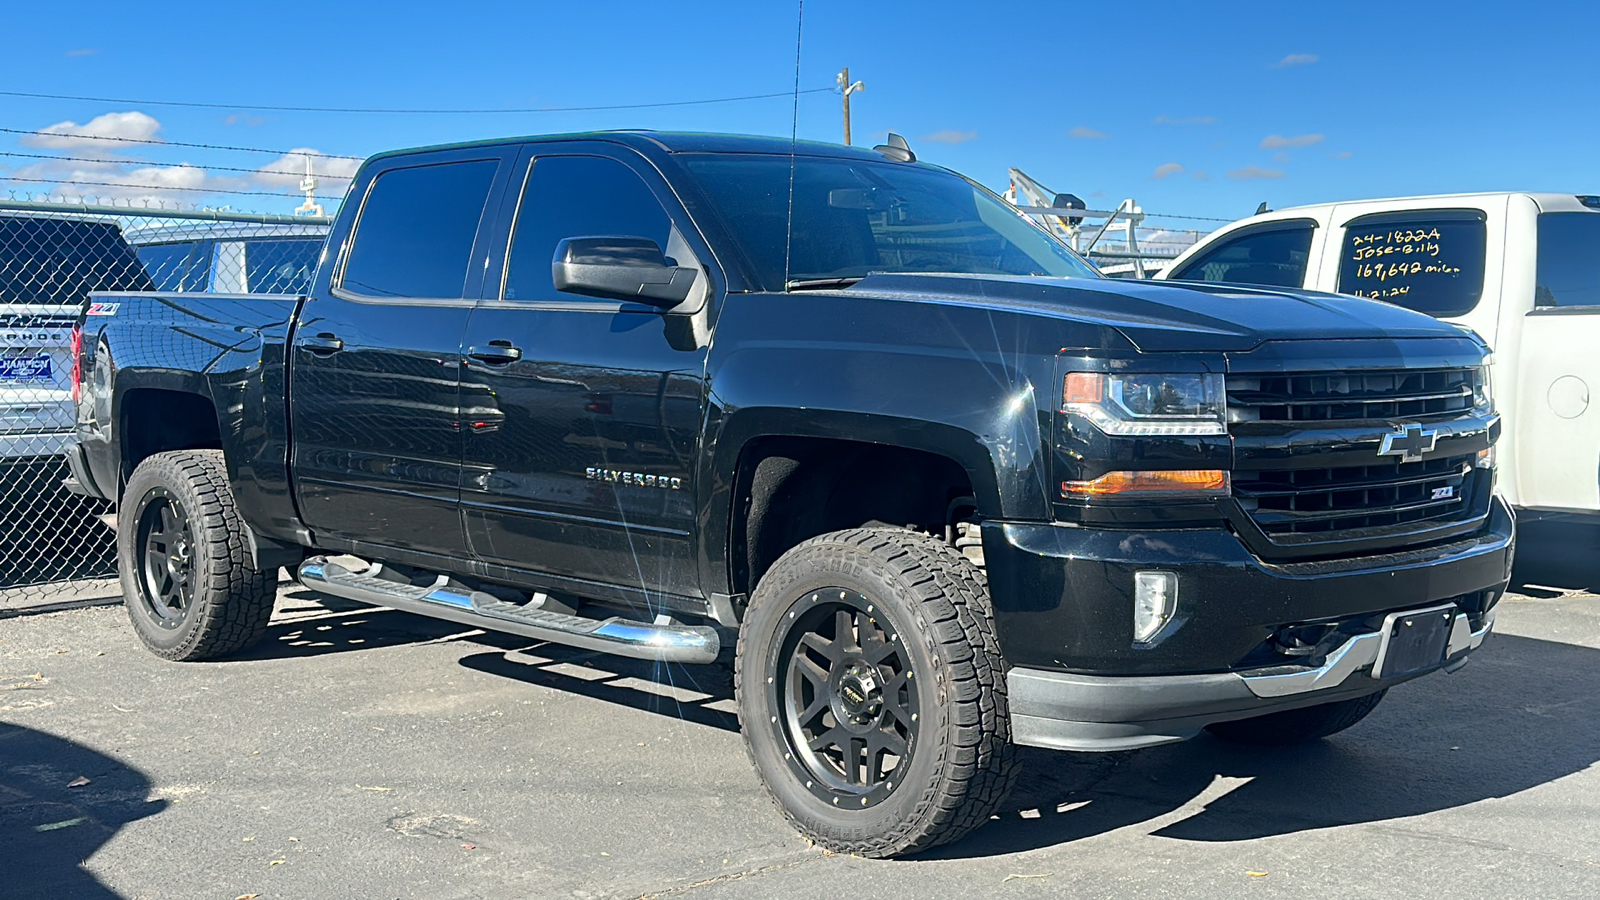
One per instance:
[(361, 753)]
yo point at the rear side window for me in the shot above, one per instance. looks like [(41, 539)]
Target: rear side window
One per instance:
[(1427, 260), (417, 227), (1569, 260), (178, 267), (1275, 257), (281, 265), (577, 196)]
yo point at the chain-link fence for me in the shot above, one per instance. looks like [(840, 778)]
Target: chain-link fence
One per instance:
[(52, 255)]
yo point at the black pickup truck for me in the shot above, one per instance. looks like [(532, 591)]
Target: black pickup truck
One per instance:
[(946, 489)]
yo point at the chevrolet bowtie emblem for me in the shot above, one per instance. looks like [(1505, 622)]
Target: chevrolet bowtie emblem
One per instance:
[(1409, 442)]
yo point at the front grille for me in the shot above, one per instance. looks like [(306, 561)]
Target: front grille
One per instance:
[(1334, 396), (1305, 501)]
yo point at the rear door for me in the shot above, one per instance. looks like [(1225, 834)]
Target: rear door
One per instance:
[(1558, 402), (376, 356)]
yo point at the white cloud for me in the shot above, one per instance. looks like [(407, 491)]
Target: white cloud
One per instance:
[(1087, 134), (285, 172), (132, 126), (1254, 173), (1278, 141), (1296, 59), (108, 171), (950, 136), (1166, 169), (1167, 238)]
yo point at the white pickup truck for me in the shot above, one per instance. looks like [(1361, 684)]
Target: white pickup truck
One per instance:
[(1520, 269)]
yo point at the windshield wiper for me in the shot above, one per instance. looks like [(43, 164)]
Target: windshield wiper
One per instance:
[(814, 284)]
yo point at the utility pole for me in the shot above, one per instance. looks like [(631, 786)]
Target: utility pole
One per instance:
[(847, 87)]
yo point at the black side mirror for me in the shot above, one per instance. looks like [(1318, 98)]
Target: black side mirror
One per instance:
[(620, 268)]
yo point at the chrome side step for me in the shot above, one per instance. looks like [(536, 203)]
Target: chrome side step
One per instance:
[(615, 635)]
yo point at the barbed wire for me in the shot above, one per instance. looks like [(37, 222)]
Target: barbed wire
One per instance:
[(161, 143), (156, 187), (128, 162), (398, 111)]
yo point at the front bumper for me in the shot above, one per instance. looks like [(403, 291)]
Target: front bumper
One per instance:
[(1063, 603), (1097, 713)]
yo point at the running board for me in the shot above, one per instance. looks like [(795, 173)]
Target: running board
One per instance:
[(615, 635)]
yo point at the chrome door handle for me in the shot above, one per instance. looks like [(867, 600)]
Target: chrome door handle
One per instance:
[(321, 344), (498, 353)]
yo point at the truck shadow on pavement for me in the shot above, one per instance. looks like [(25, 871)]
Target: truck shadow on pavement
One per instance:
[(311, 624), (1522, 714), (49, 828)]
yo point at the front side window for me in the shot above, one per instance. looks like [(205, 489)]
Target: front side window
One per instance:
[(1275, 257), (577, 196), (281, 265), (1428, 260), (856, 216), (1569, 260), (415, 234)]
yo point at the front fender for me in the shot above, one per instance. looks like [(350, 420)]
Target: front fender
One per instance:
[(973, 385)]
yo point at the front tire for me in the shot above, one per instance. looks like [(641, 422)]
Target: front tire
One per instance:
[(1297, 726), (871, 692), (187, 578)]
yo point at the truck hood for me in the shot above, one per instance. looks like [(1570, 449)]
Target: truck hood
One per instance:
[(1160, 316)]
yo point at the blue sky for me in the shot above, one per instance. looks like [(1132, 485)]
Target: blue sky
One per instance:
[(1198, 109)]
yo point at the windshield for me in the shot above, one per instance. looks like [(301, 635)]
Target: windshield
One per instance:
[(852, 217)]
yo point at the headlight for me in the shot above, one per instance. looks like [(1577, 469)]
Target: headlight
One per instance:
[(1145, 404), (1483, 386)]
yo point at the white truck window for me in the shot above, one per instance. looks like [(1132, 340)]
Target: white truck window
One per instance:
[(1429, 260), (1274, 255), (1569, 260)]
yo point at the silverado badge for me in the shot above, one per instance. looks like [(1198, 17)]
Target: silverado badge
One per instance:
[(664, 482)]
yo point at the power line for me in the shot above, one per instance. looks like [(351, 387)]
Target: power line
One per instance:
[(393, 111), (128, 140), (130, 162), (157, 187)]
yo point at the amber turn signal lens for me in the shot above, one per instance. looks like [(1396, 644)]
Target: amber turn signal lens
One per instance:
[(1171, 481), (1083, 387)]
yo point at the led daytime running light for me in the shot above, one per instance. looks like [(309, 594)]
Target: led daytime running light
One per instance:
[(1207, 482)]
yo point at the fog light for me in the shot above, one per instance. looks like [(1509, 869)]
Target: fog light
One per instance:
[(1155, 598)]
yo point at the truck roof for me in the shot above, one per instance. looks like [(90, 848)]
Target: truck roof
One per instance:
[(666, 141), (1547, 201)]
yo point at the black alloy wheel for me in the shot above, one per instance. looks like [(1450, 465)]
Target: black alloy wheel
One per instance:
[(190, 585), (848, 697), (166, 549), (871, 692)]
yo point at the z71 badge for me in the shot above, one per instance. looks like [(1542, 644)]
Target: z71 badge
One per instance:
[(103, 309), (634, 478)]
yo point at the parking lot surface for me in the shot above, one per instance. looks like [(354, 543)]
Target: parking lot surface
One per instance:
[(369, 753)]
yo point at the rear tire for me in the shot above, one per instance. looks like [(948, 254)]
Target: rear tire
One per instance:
[(871, 692), (1298, 725), (188, 582)]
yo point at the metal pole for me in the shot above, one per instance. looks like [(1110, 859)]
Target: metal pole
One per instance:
[(844, 78)]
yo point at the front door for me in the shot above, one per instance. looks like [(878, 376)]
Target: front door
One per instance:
[(374, 399), (583, 415), (1557, 414)]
